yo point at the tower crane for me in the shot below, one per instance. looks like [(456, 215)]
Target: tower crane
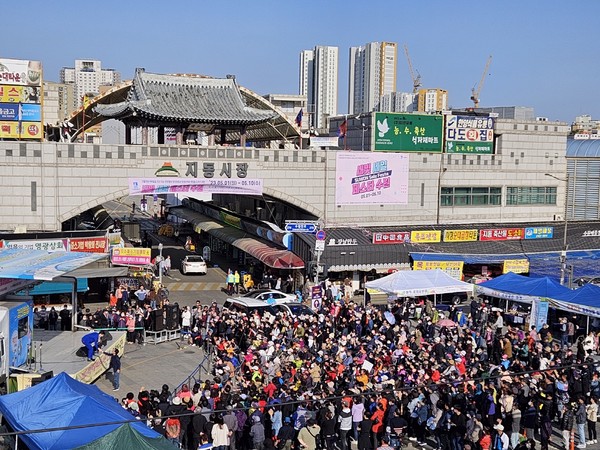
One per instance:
[(415, 79), (477, 89)]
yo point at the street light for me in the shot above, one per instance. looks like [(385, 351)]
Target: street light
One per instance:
[(160, 265), (563, 253)]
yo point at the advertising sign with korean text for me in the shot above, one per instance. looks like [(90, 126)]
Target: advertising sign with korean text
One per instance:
[(92, 244), (516, 266), (469, 134), (369, 178), (452, 268), (539, 232), (163, 185), (130, 256), (460, 235), (425, 236), (391, 237), (20, 72), (20, 94), (397, 132), (501, 234)]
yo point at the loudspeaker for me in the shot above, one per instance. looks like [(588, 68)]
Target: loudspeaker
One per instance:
[(158, 320), (172, 317), (45, 376)]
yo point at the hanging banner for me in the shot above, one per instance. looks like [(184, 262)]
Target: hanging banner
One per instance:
[(516, 266), (162, 185), (368, 178), (425, 236), (460, 235), (452, 268), (130, 256)]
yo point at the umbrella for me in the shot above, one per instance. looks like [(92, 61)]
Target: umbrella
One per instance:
[(390, 317), (446, 323)]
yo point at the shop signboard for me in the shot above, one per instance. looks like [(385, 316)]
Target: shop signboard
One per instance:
[(93, 245), (516, 266), (501, 234), (399, 132), (369, 178), (452, 268), (469, 134), (539, 232), (130, 256), (425, 236), (51, 245), (460, 235), (391, 237)]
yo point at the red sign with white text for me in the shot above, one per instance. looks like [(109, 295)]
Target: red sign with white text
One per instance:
[(90, 245), (502, 234), (391, 237)]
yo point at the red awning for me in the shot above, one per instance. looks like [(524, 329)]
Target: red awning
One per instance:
[(265, 251)]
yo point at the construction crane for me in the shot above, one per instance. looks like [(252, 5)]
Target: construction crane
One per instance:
[(415, 79), (477, 89)]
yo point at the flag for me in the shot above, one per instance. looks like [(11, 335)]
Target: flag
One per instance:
[(343, 129), (299, 118)]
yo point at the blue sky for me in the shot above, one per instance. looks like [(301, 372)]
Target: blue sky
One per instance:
[(544, 52)]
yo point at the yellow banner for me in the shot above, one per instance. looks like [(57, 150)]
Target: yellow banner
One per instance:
[(19, 94), (93, 370), (29, 130), (516, 266), (425, 236), (460, 235), (452, 268)]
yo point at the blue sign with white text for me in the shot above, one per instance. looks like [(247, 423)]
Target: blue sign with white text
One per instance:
[(539, 232)]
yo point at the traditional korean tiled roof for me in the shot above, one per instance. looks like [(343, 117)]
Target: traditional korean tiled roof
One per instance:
[(186, 100)]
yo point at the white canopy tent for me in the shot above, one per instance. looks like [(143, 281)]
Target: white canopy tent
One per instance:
[(413, 283)]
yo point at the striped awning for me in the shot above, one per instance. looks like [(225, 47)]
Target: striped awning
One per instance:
[(264, 251)]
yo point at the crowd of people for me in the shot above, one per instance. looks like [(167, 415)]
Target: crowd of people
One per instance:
[(378, 377)]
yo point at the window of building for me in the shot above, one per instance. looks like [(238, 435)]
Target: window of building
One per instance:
[(531, 195), (471, 196)]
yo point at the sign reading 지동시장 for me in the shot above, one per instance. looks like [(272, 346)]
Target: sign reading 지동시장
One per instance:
[(396, 132), (469, 134)]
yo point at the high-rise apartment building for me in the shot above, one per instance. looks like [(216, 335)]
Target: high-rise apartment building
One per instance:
[(319, 83), (432, 100), (372, 75), (88, 76)]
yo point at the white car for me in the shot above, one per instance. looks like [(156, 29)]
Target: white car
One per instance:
[(193, 264), (271, 296)]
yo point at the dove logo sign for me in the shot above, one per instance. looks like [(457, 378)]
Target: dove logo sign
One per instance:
[(382, 127), (409, 132)]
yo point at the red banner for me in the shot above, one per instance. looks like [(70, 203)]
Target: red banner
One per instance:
[(90, 245), (391, 237), (501, 234)]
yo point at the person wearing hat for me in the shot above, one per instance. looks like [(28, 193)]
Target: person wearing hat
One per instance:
[(501, 441), (257, 433), (286, 434)]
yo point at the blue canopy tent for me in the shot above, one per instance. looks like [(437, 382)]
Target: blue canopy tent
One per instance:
[(63, 402), (518, 288)]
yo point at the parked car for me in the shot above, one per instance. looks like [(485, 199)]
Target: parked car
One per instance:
[(248, 306), (271, 296), (193, 264)]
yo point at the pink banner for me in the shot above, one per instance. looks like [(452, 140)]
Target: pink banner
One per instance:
[(369, 178)]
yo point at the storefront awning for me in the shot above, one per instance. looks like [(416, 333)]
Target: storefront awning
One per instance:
[(264, 251)]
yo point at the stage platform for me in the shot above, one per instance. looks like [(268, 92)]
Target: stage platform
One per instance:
[(56, 351)]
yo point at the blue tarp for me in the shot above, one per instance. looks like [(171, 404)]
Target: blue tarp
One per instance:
[(534, 287), (61, 402)]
